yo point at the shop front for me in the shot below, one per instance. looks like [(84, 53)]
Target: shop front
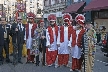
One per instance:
[(101, 19), (99, 12), (75, 8)]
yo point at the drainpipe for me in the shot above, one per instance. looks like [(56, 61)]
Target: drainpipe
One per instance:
[(65, 3)]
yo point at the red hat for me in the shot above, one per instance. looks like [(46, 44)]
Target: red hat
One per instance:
[(51, 17), (31, 15), (41, 21), (80, 19), (67, 16)]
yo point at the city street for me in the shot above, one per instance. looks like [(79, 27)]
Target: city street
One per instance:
[(100, 62)]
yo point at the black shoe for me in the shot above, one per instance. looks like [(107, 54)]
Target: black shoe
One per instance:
[(27, 62), (43, 64), (33, 62), (1, 62), (106, 65), (37, 64), (8, 61), (11, 54), (20, 62)]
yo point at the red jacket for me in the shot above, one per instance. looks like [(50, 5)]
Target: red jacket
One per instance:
[(32, 31)]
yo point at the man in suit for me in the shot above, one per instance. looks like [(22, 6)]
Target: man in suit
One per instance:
[(1, 43), (6, 29), (18, 33)]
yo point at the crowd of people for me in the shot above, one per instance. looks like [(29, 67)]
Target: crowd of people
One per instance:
[(56, 43)]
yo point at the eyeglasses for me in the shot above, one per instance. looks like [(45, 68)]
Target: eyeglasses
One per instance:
[(52, 21), (19, 19), (31, 19)]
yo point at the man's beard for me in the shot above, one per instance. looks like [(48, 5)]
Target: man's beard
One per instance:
[(66, 24), (30, 21), (52, 25)]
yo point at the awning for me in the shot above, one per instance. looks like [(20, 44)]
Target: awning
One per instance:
[(96, 5), (73, 8)]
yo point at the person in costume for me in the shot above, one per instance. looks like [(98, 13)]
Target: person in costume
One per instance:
[(103, 35), (30, 28), (77, 43), (51, 37), (89, 45), (42, 46), (63, 40)]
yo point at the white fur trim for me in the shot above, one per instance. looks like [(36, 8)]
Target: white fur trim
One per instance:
[(52, 20), (30, 17), (67, 14)]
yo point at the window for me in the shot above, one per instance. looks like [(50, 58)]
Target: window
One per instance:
[(76, 0), (30, 1), (101, 14), (52, 2), (39, 11)]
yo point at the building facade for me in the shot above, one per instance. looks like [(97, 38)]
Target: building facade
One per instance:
[(99, 13), (58, 6), (54, 7), (35, 6), (88, 14)]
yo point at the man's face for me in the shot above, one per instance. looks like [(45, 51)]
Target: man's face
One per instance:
[(87, 26), (78, 26), (3, 21), (19, 20), (41, 24), (52, 22), (31, 20)]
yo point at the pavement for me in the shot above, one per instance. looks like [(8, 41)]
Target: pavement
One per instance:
[(100, 62)]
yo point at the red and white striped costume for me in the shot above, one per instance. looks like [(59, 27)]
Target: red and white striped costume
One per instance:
[(30, 27), (64, 40), (76, 43), (51, 37)]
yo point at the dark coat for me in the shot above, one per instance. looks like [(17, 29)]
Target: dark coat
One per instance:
[(17, 36), (8, 32), (1, 36), (43, 41)]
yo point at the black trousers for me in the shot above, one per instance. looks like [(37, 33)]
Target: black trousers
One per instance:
[(37, 60), (98, 37), (6, 48), (17, 51), (1, 53), (43, 53), (20, 47)]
